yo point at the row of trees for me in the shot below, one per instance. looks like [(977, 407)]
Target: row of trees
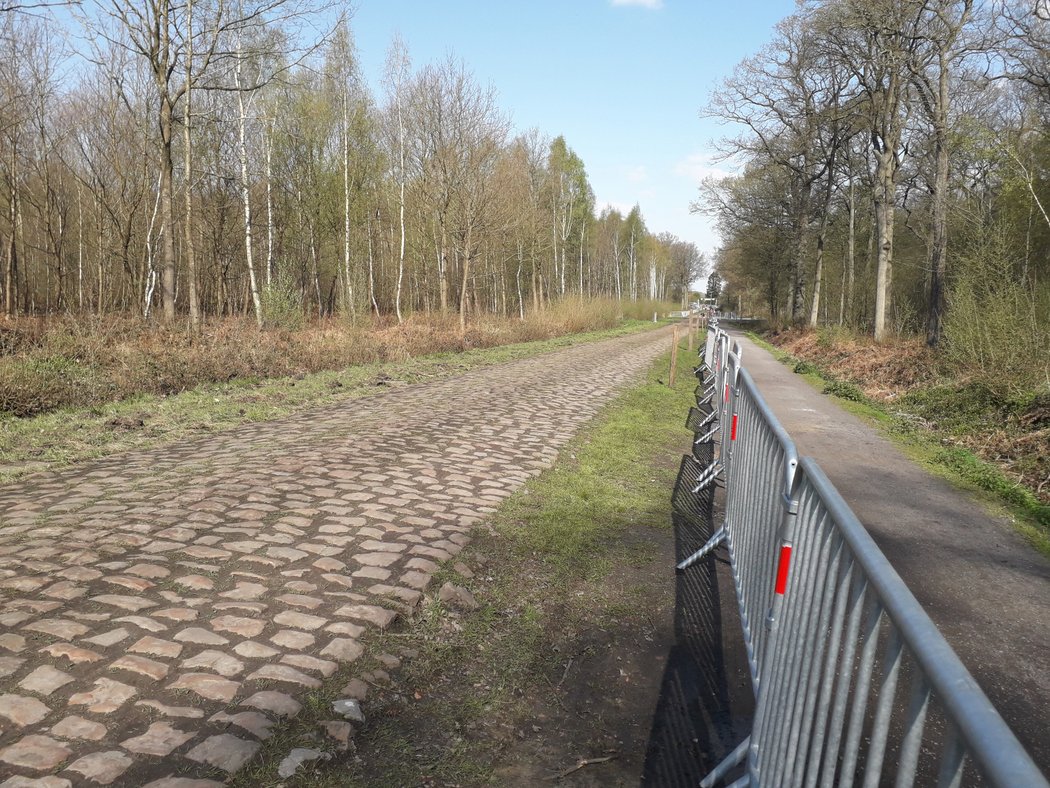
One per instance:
[(881, 144), (216, 158)]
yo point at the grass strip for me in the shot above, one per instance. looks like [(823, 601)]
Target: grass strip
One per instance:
[(926, 446), (59, 438), (576, 554)]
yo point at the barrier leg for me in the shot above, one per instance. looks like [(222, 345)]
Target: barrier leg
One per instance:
[(734, 759), (707, 436), (707, 477), (712, 543)]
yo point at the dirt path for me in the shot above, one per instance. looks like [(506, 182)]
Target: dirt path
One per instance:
[(161, 610), (983, 585)]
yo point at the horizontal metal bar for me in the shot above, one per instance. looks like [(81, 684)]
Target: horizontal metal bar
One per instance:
[(993, 746)]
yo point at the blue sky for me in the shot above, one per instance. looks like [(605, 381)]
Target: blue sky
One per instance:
[(622, 80)]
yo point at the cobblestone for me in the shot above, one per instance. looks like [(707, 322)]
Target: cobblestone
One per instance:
[(101, 767), (21, 710), (155, 597)]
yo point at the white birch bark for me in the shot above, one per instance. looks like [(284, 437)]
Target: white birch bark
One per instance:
[(242, 149)]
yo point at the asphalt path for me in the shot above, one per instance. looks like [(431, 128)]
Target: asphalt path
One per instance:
[(984, 586)]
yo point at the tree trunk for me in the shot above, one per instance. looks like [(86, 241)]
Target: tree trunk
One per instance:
[(269, 205), (371, 268), (884, 211), (346, 208), (101, 255), (187, 160), (442, 273), (818, 273), (11, 270), (851, 254), (401, 206), (80, 248), (798, 256), (939, 225), (167, 212), (467, 253), (242, 149)]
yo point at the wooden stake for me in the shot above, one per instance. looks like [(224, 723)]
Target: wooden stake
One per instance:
[(674, 356)]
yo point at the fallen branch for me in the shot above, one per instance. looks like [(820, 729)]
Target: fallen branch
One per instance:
[(582, 763)]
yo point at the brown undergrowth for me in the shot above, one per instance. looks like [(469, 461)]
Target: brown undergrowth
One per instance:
[(922, 392), (883, 371), (63, 362)]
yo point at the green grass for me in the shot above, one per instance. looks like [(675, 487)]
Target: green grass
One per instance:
[(548, 567), (66, 436), (956, 411)]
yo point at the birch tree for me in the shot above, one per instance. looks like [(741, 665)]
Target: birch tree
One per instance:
[(396, 76)]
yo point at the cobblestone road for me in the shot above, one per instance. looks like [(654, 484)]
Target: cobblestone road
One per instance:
[(161, 610)]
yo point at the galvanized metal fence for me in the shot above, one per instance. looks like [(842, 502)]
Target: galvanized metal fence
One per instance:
[(831, 631)]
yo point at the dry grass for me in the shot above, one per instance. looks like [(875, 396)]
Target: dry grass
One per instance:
[(883, 371), (75, 362), (1012, 434)]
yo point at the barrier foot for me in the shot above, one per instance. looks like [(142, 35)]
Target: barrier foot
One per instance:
[(706, 437), (710, 474), (712, 543), (734, 759)]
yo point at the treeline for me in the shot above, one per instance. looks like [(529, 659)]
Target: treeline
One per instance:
[(202, 159), (895, 175)]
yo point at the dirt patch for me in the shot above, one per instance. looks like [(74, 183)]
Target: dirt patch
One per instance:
[(559, 688)]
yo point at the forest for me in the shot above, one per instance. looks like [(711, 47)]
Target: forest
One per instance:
[(193, 160), (893, 178)]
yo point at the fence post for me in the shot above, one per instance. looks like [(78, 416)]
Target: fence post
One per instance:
[(674, 356)]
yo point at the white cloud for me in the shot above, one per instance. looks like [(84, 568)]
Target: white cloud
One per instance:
[(652, 5), (697, 166), (637, 174)]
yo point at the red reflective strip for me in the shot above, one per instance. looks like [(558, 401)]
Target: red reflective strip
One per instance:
[(732, 437), (782, 569), (726, 396)]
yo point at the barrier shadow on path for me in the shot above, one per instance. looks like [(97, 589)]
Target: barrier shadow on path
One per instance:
[(705, 705)]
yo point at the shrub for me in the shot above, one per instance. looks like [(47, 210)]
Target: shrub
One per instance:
[(844, 390), (282, 304), (35, 385), (995, 329)]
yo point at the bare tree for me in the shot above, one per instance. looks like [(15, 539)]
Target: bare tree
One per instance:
[(783, 98), (882, 43), (944, 26), (163, 34)]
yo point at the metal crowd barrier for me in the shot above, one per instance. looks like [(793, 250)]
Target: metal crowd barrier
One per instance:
[(830, 629), (764, 463)]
